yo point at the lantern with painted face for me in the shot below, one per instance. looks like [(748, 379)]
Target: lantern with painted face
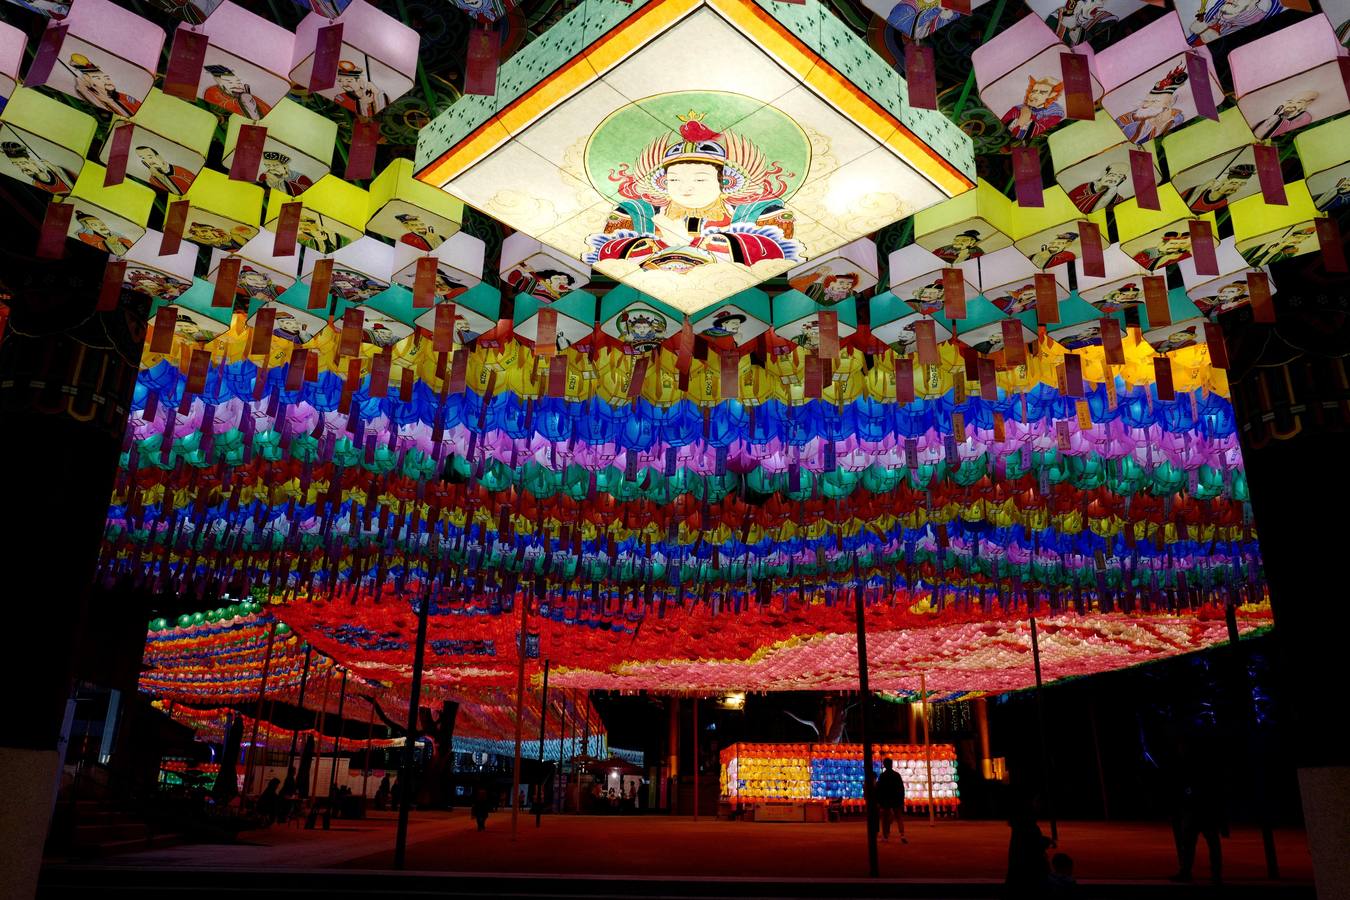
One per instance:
[(988, 339), (297, 152), (1290, 79), (247, 64), (262, 274), (43, 141), (916, 19), (387, 318), (530, 267), (1121, 286), (1076, 21), (796, 318), (893, 322), (916, 278), (1079, 326), (1020, 77), (362, 269), (108, 57), (1048, 234), (1212, 163), (477, 311), (1324, 152), (332, 213), (1092, 163), (111, 219), (13, 42), (405, 210), (966, 226), (639, 323), (1185, 330), (1217, 294), (377, 61), (222, 214), (170, 140), (1007, 279), (574, 313), (1155, 239), (848, 271), (294, 323), (162, 278), (459, 264), (1267, 233), (734, 321), (198, 321), (1208, 20)]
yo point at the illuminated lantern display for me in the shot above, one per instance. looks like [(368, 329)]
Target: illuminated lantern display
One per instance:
[(13, 42), (1212, 163), (332, 213), (1185, 330), (754, 774), (640, 324), (43, 142), (1214, 295), (111, 219), (1048, 234), (916, 19), (1076, 21), (377, 61), (893, 324), (477, 310), (1266, 233), (222, 214), (197, 320), (1121, 286), (262, 275), (1209, 21), (1290, 79), (247, 64), (1021, 77), (736, 320), (1324, 152), (657, 159), (293, 322), (159, 277), (916, 278), (362, 269), (574, 316), (530, 267), (108, 57), (848, 271), (409, 212), (796, 318), (1007, 279), (975, 223), (170, 140), (1092, 163), (1157, 238), (297, 151), (1147, 81), (459, 264)]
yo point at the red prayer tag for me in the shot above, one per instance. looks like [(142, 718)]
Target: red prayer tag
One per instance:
[(1197, 71), (263, 322), (1144, 179), (111, 291), (1202, 248), (55, 225), (829, 334), (1329, 240), (639, 377), (1269, 174), (953, 293), (1258, 288), (424, 283), (48, 51), (320, 280), (483, 59), (920, 77), (248, 150), (184, 73), (116, 172), (988, 379), (353, 325), (904, 379), (557, 376), (443, 334), (1093, 256), (1047, 303), (731, 375), (361, 158), (1078, 103), (197, 369), (379, 375), (1027, 175), (925, 335), (1162, 373), (546, 332), (295, 370), (813, 378), (175, 220), (161, 339), (1112, 344), (288, 226), (1073, 374), (227, 281), (1014, 343), (327, 51), (407, 380), (1218, 350), (1155, 301)]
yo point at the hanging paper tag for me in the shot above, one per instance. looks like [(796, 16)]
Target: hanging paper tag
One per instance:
[(557, 377), (295, 370), (731, 375), (48, 51), (175, 220), (1155, 301), (1014, 343), (116, 172), (953, 293), (925, 335), (1047, 303), (361, 157), (263, 322), (424, 283), (1329, 239), (227, 281), (1202, 92), (484, 56), (1027, 175), (312, 367), (813, 378), (111, 291), (828, 320), (161, 339), (443, 332), (1073, 375), (988, 379), (1084, 415), (1258, 289), (904, 379), (1269, 174), (1218, 350), (349, 386), (288, 226), (920, 77), (379, 375), (55, 224), (320, 280), (248, 150), (459, 370), (1202, 248), (1144, 179), (1112, 346), (184, 72), (1063, 440), (353, 328), (958, 436), (1093, 258), (1162, 373), (1000, 430), (327, 51), (1078, 103)]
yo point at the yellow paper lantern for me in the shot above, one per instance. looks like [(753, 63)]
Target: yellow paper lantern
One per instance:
[(1156, 238), (1048, 235), (966, 226), (111, 219), (409, 211), (1266, 233), (169, 143), (43, 142), (223, 214)]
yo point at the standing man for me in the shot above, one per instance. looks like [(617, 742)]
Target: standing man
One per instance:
[(891, 800)]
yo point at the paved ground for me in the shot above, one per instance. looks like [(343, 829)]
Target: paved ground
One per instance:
[(668, 846)]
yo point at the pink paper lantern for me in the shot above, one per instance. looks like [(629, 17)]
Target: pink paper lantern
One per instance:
[(376, 64), (1020, 77), (1290, 79), (247, 66), (108, 57), (12, 44)]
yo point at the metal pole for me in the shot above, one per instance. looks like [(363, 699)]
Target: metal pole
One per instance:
[(543, 730), (524, 601), (1045, 747), (410, 742), (695, 699), (337, 743), (869, 777), (927, 747), (370, 737), (295, 732), (252, 756)]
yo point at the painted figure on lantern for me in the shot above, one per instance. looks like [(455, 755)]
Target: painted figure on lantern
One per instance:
[(642, 329), (1077, 20), (1214, 194), (162, 174), (214, 236), (1039, 110), (704, 197), (97, 88), (547, 285), (1290, 115), (823, 287), (917, 19), (964, 246), (1058, 250), (42, 174), (1101, 192), (156, 285), (1128, 294), (1178, 340), (231, 94), (420, 234), (1337, 199), (277, 174), (1227, 16), (1230, 296), (255, 285), (316, 236), (1175, 247), (1157, 112), (96, 233), (356, 94)]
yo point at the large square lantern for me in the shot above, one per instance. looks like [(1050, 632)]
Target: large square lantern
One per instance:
[(693, 181), (294, 322), (222, 214), (477, 312), (893, 322), (43, 142), (1212, 163), (916, 279), (297, 151), (1157, 238), (736, 320), (1021, 78), (12, 44), (964, 227), (833, 276), (1048, 234), (170, 140), (1092, 163), (108, 57), (405, 210), (247, 63), (1324, 152), (377, 61), (332, 213), (1120, 287), (1267, 233), (529, 266), (1076, 21), (1007, 279), (159, 277), (362, 269), (1147, 80), (262, 274), (459, 264), (111, 219), (1215, 294), (796, 318), (1291, 78)]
